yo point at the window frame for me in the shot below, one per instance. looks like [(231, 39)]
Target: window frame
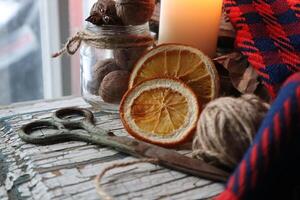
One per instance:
[(54, 23)]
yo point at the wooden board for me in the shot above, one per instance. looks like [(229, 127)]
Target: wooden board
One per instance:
[(67, 171)]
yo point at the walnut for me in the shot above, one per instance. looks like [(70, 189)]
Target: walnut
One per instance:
[(135, 12), (104, 12), (114, 86), (126, 58), (100, 70)]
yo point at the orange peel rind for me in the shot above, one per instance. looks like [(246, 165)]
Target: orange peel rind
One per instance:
[(162, 111), (181, 62)]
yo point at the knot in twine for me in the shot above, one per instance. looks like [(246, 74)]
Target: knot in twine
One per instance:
[(226, 129), (101, 41)]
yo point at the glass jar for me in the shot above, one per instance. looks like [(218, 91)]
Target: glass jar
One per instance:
[(107, 61)]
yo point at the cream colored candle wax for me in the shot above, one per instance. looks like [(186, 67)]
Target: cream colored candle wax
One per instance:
[(191, 22)]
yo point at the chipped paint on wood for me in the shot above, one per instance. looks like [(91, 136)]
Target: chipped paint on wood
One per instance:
[(67, 170), (3, 169)]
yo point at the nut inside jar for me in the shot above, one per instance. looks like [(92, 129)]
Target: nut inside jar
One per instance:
[(110, 76)]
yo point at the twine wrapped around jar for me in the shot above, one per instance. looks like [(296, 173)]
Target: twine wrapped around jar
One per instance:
[(104, 42)]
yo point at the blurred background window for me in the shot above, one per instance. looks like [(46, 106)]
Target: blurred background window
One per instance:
[(30, 31)]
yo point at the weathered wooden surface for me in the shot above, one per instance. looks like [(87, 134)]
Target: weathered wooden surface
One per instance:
[(67, 171)]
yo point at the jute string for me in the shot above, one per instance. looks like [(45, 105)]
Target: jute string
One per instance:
[(101, 192), (226, 129), (100, 41)]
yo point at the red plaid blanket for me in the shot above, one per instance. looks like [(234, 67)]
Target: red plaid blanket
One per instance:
[(268, 33)]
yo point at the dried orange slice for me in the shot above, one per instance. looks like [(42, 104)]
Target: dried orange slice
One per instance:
[(160, 111), (179, 61)]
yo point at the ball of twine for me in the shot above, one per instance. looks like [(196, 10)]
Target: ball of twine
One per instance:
[(226, 129)]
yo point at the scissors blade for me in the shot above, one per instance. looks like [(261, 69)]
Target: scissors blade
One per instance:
[(173, 160), (196, 167)]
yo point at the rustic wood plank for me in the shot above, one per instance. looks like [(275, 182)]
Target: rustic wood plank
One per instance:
[(39, 106), (67, 170)]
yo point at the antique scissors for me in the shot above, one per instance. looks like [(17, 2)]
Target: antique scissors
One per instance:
[(77, 124)]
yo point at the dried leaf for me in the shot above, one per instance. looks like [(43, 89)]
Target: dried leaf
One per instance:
[(243, 76)]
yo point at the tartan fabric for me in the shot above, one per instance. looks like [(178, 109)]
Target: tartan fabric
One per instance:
[(270, 168), (268, 33)]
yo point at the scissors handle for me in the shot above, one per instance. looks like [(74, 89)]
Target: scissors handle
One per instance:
[(87, 121), (68, 124), (26, 132), (63, 115)]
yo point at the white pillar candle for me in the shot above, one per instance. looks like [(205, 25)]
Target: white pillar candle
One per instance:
[(191, 22)]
